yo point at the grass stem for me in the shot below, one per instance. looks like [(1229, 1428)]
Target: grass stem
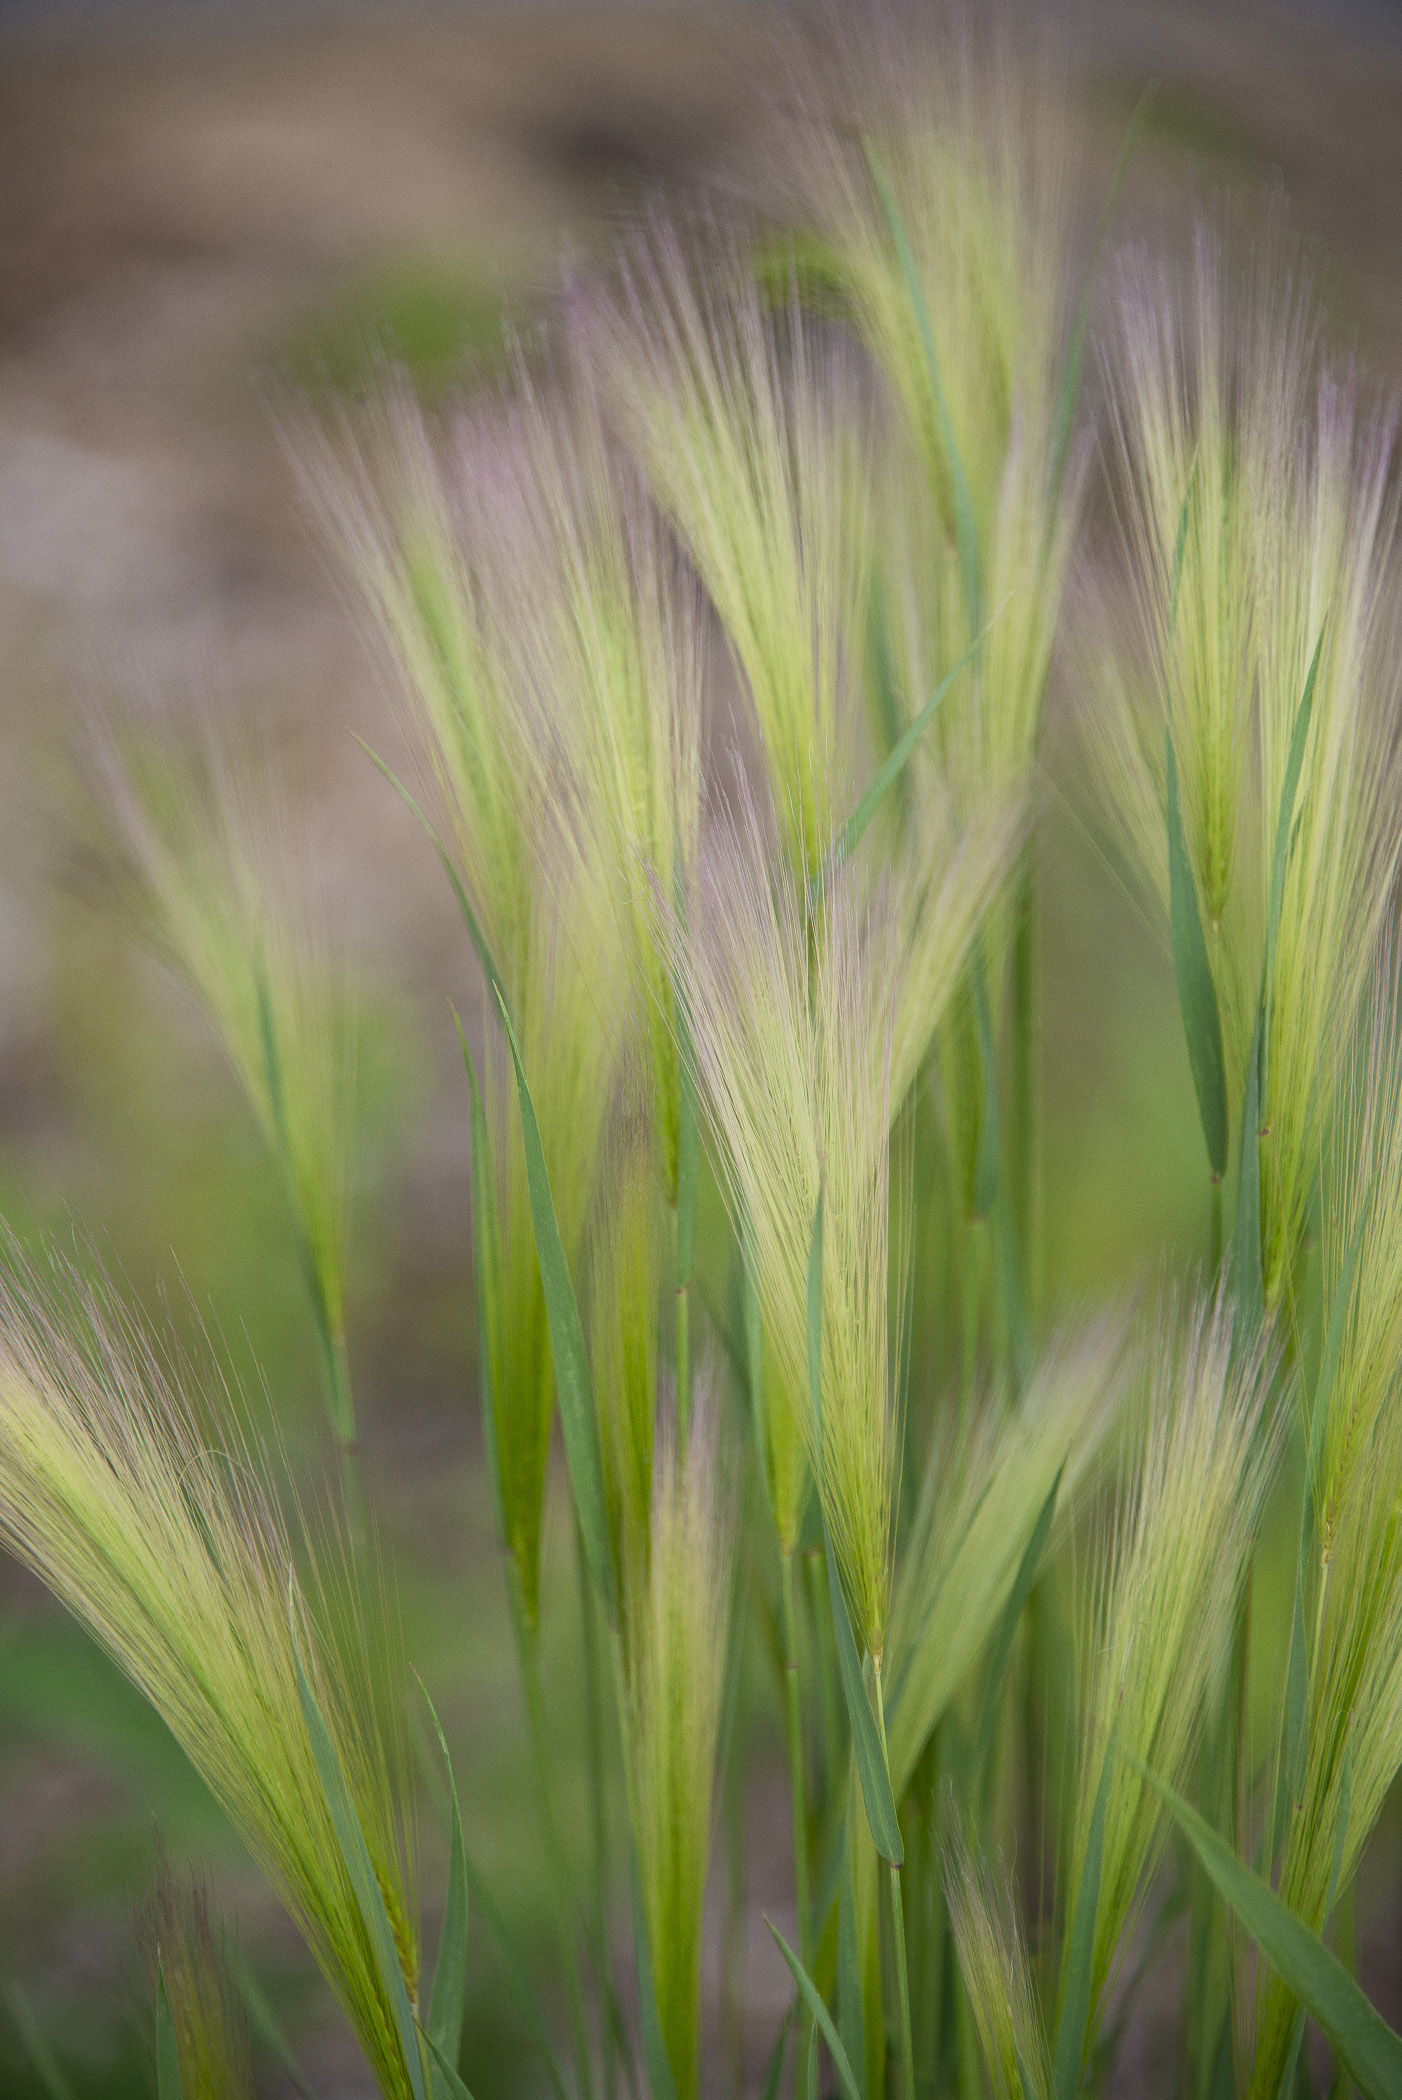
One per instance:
[(598, 1805), (528, 1656), (798, 1791), (897, 1921), (683, 1350)]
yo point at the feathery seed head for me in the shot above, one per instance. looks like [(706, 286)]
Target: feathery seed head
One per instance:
[(1353, 1714), (173, 1553), (997, 1974), (806, 1049), (677, 1641), (1231, 439), (1159, 1626), (210, 852), (750, 429), (979, 1503), (970, 141), (207, 2013)]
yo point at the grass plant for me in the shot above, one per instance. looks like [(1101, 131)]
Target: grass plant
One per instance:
[(752, 1096)]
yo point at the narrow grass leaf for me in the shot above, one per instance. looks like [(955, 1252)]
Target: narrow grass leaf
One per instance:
[(775, 2072), (167, 2054), (448, 1994), (813, 1998), (866, 1741), (447, 2072), (851, 2021), (1197, 994), (1246, 1267), (41, 2056), (659, 2065), (268, 2028), (1292, 1761), (486, 1265), (854, 830), (754, 1352), (1329, 1358), (965, 523), (1362, 2040), (356, 1859), (513, 1969), (1285, 818), (469, 916), (1027, 1570), (1075, 2004), (573, 1381), (1024, 2077), (988, 1162), (1069, 390), (688, 1134)]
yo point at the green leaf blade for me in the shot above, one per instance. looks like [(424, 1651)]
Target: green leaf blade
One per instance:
[(1197, 993), (360, 1871), (1365, 2044), (866, 1741), (822, 2018), (574, 1382), (167, 2054), (1080, 1961)]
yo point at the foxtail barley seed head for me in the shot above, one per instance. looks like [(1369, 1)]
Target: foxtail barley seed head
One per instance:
[(1353, 1598), (751, 432), (467, 547), (1277, 478), (972, 142), (979, 1503), (997, 1975), (806, 1049), (1160, 1621), (207, 2014), (678, 1622), (173, 1553), (221, 901)]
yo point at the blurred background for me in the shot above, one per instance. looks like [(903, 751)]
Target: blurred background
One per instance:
[(209, 213)]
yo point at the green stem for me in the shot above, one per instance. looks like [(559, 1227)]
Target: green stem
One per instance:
[(594, 1735), (336, 1374), (829, 1695), (1216, 1227), (897, 1919), (683, 1349), (528, 1656), (1026, 1164), (798, 1791)]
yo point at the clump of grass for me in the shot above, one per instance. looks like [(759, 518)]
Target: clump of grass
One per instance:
[(1262, 542), (804, 1071)]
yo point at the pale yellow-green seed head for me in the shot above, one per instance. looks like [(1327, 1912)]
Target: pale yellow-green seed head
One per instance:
[(207, 2014), (807, 1047), (997, 1974), (1158, 1625), (1276, 475), (224, 902), (980, 1499), (172, 1551), (751, 431), (678, 1621)]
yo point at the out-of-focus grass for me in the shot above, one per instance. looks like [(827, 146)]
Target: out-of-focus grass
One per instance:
[(435, 317)]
